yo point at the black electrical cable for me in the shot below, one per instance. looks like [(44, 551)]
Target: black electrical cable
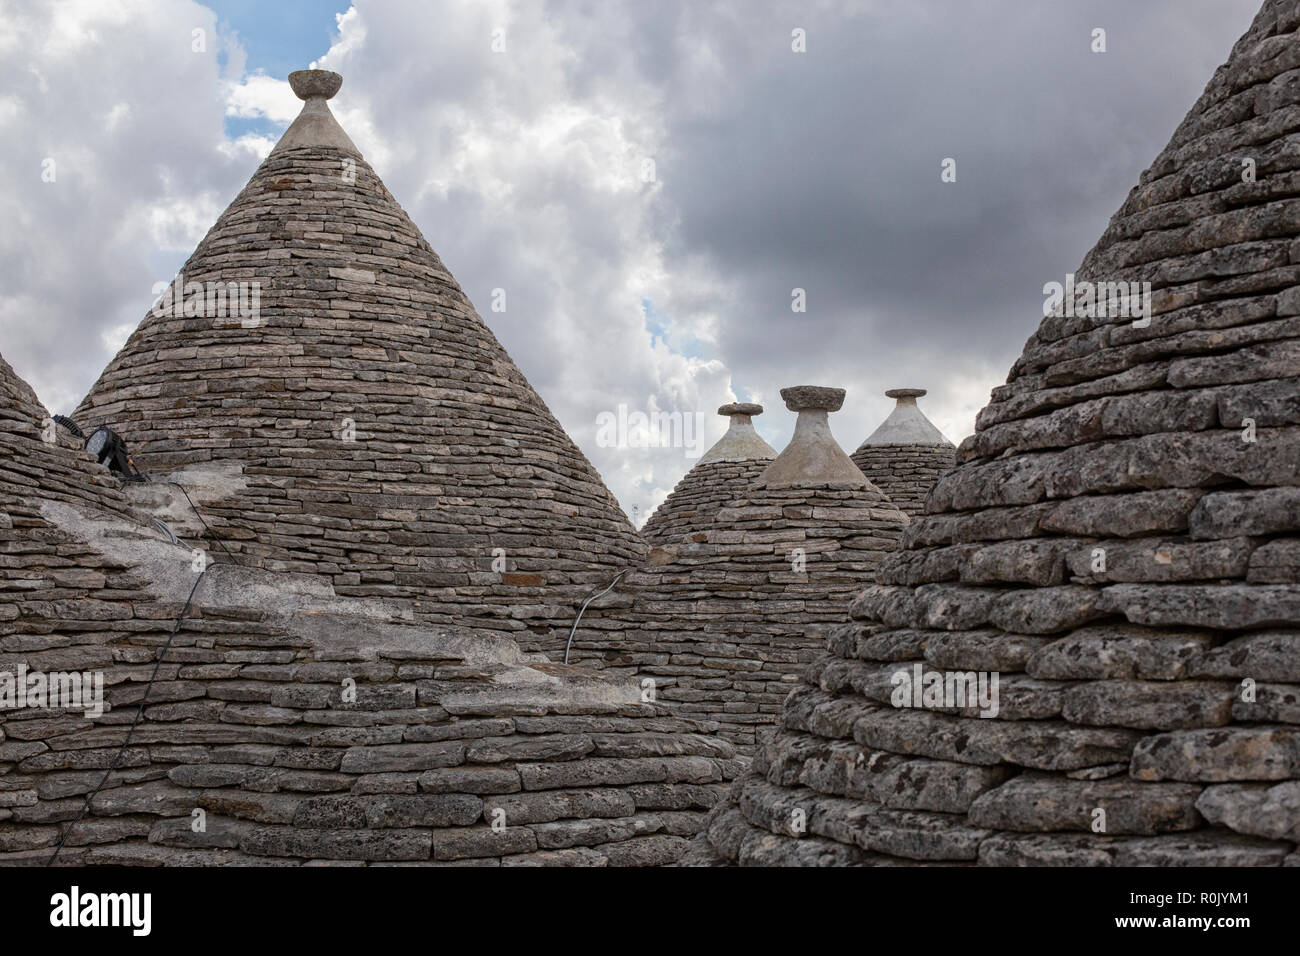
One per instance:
[(198, 514), (139, 711), (69, 424)]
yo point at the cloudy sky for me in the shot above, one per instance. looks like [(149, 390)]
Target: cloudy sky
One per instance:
[(526, 167)]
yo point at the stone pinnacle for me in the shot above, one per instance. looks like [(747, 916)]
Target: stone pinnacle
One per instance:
[(307, 84), (741, 442), (813, 457), (315, 126), (906, 424)]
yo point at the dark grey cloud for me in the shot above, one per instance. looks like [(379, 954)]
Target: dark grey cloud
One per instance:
[(775, 170)]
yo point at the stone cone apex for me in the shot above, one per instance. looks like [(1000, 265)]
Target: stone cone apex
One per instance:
[(906, 424), (1117, 544), (741, 441), (731, 465), (813, 457), (315, 125), (742, 583), (906, 454), (323, 364)]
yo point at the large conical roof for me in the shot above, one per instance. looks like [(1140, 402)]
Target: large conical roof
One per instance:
[(1118, 544), (444, 734), (906, 454), (365, 422)]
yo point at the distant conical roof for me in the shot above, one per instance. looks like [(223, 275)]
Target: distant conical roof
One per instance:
[(738, 593), (724, 471), (369, 425), (906, 454), (1117, 545)]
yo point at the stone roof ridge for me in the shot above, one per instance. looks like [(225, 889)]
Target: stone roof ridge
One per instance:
[(813, 457), (741, 442), (315, 125), (906, 424)]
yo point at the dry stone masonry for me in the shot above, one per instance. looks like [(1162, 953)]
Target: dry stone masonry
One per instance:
[(290, 724), (364, 424), (1086, 652), (751, 561), (1118, 543), (905, 456), (733, 463)]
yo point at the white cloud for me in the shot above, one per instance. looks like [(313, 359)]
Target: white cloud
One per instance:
[(261, 96), (523, 169)]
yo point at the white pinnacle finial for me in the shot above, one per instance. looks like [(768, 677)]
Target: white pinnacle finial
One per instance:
[(906, 424), (741, 442)]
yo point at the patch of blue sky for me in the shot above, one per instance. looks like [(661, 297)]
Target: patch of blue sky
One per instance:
[(676, 338), (277, 38)]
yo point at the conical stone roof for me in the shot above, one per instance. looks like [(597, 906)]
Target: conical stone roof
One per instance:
[(364, 423), (733, 463), (38, 457), (906, 454), (300, 726), (1118, 543), (737, 598)]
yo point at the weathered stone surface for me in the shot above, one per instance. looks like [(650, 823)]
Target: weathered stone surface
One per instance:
[(1226, 514), (259, 735), (338, 844), (1272, 812), (1149, 705), (1045, 746), (983, 650), (1113, 529), (558, 804), (1191, 849), (1262, 656), (402, 757), (1037, 803), (743, 581), (1223, 754), (374, 430), (1222, 607), (1117, 652), (906, 454), (384, 812), (1117, 542)]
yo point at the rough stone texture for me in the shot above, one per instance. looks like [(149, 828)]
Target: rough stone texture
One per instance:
[(906, 455), (735, 461), (362, 334), (252, 718), (742, 583), (1095, 546)]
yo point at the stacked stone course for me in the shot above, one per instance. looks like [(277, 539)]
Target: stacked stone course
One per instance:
[(366, 425), (251, 750), (746, 573), (1118, 541), (906, 455), (734, 462)]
